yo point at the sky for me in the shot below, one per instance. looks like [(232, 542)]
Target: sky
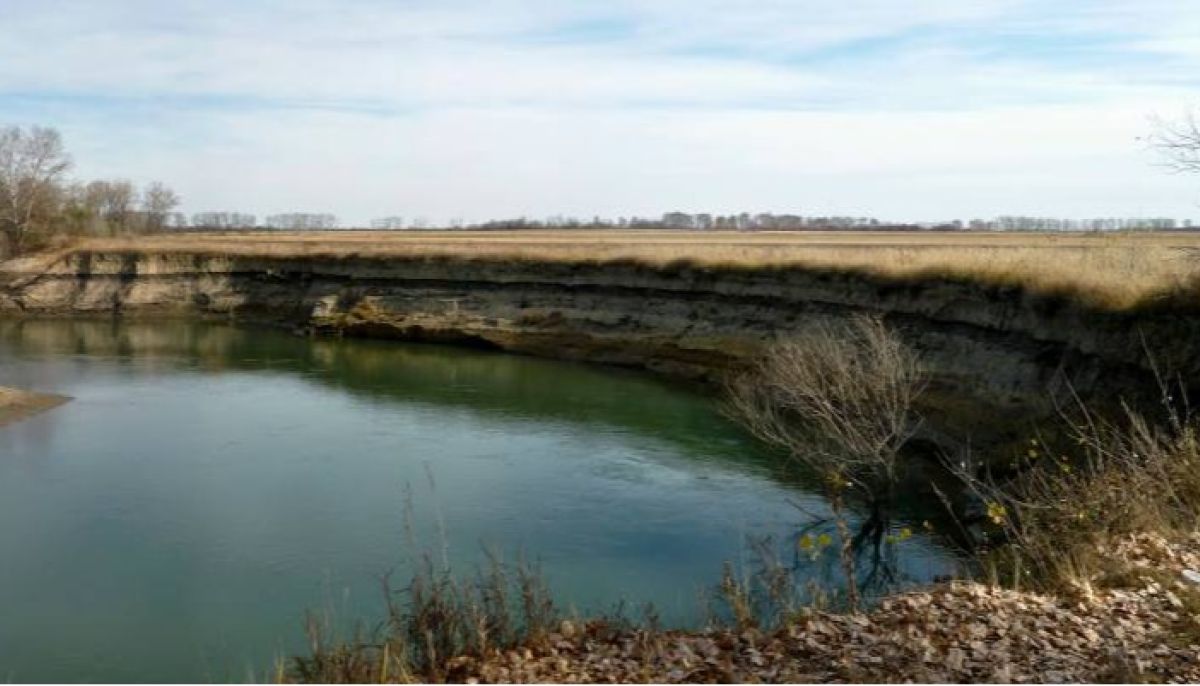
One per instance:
[(467, 110)]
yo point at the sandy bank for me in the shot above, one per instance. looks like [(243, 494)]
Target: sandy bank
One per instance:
[(16, 405)]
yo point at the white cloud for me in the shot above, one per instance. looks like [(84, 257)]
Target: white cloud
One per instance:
[(466, 108)]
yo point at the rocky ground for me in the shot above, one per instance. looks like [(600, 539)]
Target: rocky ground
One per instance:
[(1144, 626)]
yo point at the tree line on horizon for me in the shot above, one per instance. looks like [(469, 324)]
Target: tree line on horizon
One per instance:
[(39, 204), (676, 221), (792, 222)]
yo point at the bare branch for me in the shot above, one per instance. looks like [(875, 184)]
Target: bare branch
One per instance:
[(839, 399), (31, 164), (1178, 142)]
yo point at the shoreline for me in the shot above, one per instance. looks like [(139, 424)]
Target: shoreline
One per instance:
[(1136, 625), (16, 405), (995, 354)]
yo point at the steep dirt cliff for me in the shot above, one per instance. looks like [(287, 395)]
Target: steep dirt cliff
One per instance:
[(993, 352)]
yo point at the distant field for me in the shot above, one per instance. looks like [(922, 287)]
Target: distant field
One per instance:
[(1112, 269)]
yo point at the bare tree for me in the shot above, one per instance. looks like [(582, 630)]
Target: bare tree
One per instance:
[(839, 400), (31, 164), (157, 202), (1179, 142), (75, 215), (116, 201)]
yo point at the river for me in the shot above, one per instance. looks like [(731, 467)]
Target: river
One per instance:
[(208, 484)]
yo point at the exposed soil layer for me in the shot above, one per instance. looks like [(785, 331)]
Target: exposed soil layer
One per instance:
[(996, 353)]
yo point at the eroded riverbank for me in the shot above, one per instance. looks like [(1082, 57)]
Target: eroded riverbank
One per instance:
[(993, 353), (997, 355)]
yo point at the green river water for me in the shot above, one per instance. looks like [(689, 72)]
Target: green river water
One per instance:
[(209, 484)]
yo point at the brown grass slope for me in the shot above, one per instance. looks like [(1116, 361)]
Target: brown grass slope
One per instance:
[(1111, 271)]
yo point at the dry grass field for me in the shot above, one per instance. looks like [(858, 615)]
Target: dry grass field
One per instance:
[(1112, 270)]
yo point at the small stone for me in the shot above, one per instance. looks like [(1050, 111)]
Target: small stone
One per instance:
[(954, 659), (1191, 576)]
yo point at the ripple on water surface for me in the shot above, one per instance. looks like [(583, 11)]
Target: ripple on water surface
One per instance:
[(209, 484)]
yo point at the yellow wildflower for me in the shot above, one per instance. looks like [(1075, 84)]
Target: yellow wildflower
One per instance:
[(997, 513)]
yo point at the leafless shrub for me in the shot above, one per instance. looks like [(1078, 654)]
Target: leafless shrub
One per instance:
[(839, 399)]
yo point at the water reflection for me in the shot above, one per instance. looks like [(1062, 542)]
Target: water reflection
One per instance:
[(209, 483)]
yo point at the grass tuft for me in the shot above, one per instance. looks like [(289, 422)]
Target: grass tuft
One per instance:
[(436, 628)]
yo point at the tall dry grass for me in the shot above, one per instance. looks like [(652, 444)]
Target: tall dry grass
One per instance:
[(1051, 521), (839, 400), (1110, 270), (435, 626)]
